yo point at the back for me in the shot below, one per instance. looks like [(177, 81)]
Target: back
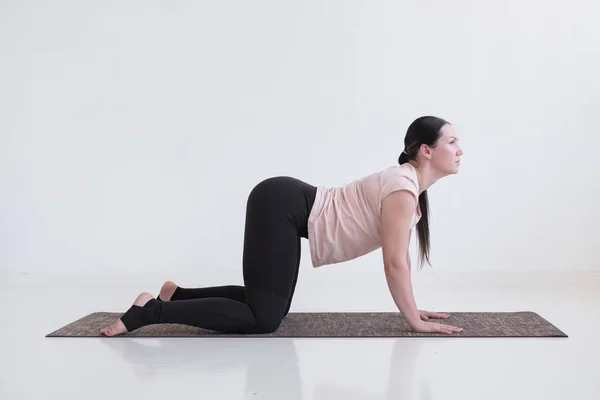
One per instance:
[(345, 221)]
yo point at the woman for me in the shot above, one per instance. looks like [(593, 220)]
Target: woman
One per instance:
[(341, 224)]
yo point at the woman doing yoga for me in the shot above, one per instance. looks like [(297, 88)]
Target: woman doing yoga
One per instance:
[(341, 223)]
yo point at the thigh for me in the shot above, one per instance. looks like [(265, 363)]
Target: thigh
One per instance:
[(270, 270), (271, 251), (271, 260)]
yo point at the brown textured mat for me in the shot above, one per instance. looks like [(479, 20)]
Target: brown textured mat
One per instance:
[(338, 324)]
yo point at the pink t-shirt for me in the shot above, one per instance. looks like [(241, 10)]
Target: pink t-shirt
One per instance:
[(344, 222)]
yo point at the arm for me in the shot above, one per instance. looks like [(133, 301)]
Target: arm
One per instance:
[(396, 216)]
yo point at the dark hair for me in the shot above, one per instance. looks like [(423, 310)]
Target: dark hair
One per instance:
[(423, 130)]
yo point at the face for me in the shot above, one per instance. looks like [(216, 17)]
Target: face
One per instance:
[(445, 157)]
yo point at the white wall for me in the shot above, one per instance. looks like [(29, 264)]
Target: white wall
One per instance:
[(132, 131)]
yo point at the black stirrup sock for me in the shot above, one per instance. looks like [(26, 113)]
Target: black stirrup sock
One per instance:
[(172, 296), (175, 294), (138, 316)]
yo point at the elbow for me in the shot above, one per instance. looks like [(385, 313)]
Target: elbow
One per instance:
[(396, 266)]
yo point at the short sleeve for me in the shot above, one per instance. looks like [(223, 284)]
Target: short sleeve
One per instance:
[(391, 184)]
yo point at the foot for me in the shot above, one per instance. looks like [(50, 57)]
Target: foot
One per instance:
[(118, 328), (167, 290)]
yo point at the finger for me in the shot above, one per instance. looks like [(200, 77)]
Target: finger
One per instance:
[(432, 314), (450, 329), (437, 315), (442, 329)]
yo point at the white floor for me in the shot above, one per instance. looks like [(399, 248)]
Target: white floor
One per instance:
[(35, 367)]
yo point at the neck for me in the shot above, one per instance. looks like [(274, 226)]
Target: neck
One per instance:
[(426, 175)]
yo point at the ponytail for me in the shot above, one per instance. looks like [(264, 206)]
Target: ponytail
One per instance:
[(423, 229), (403, 158)]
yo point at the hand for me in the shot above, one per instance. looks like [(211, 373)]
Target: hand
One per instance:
[(434, 327), (425, 315)]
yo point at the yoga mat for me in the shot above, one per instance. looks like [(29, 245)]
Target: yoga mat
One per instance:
[(340, 324)]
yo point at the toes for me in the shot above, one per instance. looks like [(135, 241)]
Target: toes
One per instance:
[(109, 330)]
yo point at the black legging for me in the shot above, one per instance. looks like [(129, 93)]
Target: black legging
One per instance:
[(276, 219)]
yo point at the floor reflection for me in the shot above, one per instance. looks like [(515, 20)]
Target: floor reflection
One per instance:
[(271, 366)]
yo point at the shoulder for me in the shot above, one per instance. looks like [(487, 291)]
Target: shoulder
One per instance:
[(399, 204), (404, 172), (398, 178)]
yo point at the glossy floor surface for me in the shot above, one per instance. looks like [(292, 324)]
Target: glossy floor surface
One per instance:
[(209, 368)]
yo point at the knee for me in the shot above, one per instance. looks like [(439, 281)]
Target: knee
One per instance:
[(269, 325), (268, 308)]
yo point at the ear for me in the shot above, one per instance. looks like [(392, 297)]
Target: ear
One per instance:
[(425, 151)]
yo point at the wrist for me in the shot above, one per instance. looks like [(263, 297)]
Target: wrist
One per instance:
[(414, 322)]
